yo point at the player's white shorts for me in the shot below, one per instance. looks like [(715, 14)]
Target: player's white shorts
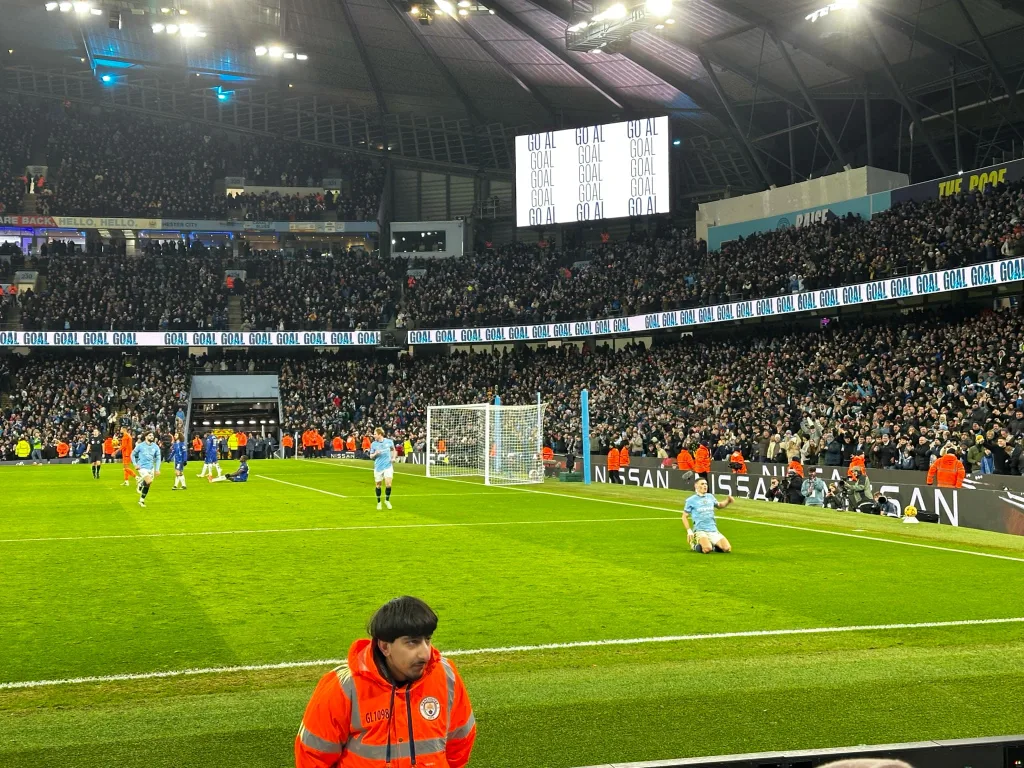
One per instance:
[(146, 474), (714, 538), (386, 474)]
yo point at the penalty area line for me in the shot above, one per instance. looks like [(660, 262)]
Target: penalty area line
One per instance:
[(21, 685)]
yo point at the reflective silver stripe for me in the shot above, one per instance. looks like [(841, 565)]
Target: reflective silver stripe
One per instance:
[(463, 731), (449, 676), (348, 685), (313, 741), (399, 750)]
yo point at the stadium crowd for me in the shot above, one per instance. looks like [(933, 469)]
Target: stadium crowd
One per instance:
[(319, 291), (898, 392), (15, 132), (529, 284), (113, 164), (52, 399), (166, 286)]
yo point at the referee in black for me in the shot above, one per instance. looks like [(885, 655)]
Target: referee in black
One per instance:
[(96, 452)]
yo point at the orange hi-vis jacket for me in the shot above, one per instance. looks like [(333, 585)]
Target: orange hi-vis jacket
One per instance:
[(288, 441), (624, 456), (197, 444), (108, 447), (337, 444), (365, 444), (547, 454), (702, 460), (737, 458), (243, 439), (127, 446), (950, 472), (357, 719), (350, 444), (63, 449), (613, 459), (857, 461), (684, 461), (796, 466)]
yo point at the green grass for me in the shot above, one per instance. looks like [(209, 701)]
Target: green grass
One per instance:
[(75, 605)]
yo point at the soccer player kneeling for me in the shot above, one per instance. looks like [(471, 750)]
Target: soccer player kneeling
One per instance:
[(703, 536), (240, 476), (382, 451)]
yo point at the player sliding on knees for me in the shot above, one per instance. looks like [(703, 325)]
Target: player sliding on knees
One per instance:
[(703, 536), (382, 451), (146, 460)]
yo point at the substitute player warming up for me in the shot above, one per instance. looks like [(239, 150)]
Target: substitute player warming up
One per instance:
[(382, 451), (146, 459), (703, 536)]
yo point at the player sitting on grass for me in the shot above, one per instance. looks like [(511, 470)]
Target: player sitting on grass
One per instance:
[(240, 476), (382, 451), (704, 536)]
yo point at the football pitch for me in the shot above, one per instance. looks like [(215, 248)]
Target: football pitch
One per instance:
[(821, 629)]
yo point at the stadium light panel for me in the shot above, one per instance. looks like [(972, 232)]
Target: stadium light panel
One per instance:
[(158, 28), (96, 11), (445, 6), (289, 55), (81, 7), (463, 12), (275, 52), (670, 21), (261, 50), (106, 78), (172, 29), (64, 7), (51, 6), (182, 12), (659, 8), (301, 56)]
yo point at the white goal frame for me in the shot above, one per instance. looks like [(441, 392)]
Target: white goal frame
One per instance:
[(501, 443)]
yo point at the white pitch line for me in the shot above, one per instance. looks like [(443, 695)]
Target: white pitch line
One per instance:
[(731, 519), (306, 487), (327, 529), (522, 649)]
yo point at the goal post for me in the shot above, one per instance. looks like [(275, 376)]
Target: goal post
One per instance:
[(501, 443)]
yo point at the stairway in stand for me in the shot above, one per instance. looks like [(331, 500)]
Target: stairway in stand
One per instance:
[(28, 205), (235, 313)]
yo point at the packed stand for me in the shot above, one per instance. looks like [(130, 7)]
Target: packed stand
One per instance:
[(16, 125), (113, 164), (168, 286), (898, 392), (59, 399), (528, 284), (311, 290)]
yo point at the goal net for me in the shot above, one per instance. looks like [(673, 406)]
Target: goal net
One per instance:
[(501, 443)]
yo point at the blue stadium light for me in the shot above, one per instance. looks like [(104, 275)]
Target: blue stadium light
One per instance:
[(107, 78), (222, 96), (676, 142)]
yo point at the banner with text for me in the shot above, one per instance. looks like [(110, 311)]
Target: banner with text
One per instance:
[(189, 338), (186, 225), (961, 183), (927, 284)]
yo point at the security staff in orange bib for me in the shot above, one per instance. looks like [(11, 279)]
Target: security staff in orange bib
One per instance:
[(395, 702)]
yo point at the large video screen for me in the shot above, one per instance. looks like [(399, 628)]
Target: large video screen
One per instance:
[(597, 172)]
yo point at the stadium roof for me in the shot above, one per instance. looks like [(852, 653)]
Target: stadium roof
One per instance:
[(733, 74)]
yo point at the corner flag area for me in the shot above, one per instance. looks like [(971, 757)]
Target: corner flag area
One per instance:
[(193, 631)]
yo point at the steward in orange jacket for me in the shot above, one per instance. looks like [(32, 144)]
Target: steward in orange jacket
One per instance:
[(949, 471), (108, 448), (684, 461), (624, 456), (197, 446), (737, 458), (857, 460), (613, 465), (702, 460), (287, 441), (365, 444), (350, 444), (395, 702), (797, 467), (63, 449), (337, 445), (547, 454)]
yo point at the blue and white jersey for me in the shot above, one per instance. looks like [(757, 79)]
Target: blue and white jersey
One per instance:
[(702, 510), (147, 456), (242, 474), (383, 449), (179, 453), (211, 450)]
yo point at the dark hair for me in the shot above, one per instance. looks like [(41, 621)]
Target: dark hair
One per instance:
[(402, 617)]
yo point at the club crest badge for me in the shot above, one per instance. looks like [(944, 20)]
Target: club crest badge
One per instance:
[(430, 708)]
